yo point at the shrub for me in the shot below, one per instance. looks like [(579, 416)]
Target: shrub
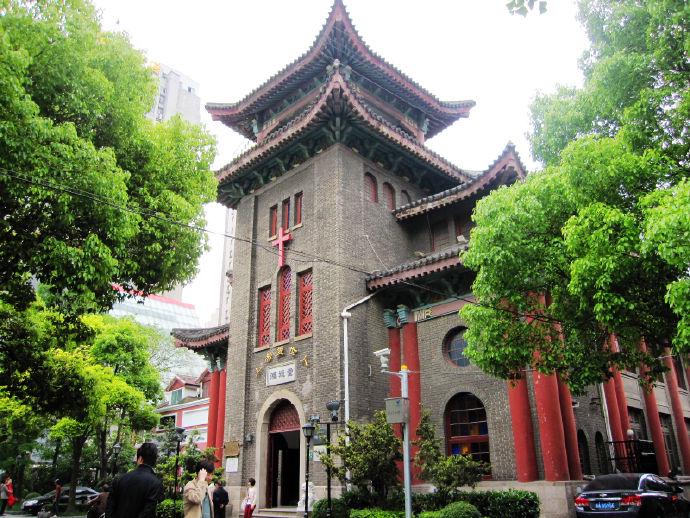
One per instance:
[(358, 498), (515, 503), (340, 510), (459, 510), (166, 509), (422, 502), (375, 512), (429, 514)]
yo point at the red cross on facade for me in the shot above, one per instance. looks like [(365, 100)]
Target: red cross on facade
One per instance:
[(283, 238)]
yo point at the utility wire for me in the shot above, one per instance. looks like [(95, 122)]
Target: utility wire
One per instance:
[(307, 256)]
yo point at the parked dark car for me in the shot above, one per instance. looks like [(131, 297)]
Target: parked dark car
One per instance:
[(84, 494), (626, 495)]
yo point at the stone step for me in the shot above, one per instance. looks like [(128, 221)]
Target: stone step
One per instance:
[(278, 512)]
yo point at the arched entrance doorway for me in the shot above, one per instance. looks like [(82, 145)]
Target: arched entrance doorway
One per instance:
[(282, 480)]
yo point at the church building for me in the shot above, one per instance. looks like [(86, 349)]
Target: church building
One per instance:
[(348, 240)]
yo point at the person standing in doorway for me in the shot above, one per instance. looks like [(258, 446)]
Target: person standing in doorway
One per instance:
[(249, 502), (197, 497), (137, 493), (220, 499), (4, 493)]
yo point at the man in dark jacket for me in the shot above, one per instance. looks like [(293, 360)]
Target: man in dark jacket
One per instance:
[(220, 500), (137, 493)]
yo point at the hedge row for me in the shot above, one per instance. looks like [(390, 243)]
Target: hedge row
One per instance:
[(491, 504)]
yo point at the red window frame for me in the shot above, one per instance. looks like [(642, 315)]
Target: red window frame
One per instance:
[(273, 221), (264, 318), (372, 186), (389, 194), (283, 320), (286, 214), (305, 284), (466, 443), (298, 209)]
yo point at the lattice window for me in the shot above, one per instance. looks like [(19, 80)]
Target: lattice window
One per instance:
[(304, 294), (389, 195), (284, 284), (264, 328), (370, 187), (273, 221), (298, 208)]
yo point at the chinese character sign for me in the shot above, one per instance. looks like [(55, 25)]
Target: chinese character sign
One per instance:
[(279, 374)]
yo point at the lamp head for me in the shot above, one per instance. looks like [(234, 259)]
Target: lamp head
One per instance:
[(383, 356), (333, 407), (308, 430), (116, 448)]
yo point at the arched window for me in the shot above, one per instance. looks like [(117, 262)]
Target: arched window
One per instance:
[(454, 347), (389, 195), (371, 190), (583, 449), (467, 432), (283, 321), (405, 197), (602, 454)]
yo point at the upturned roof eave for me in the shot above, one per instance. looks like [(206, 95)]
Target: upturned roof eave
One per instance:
[(420, 268), (232, 113), (199, 338), (261, 151), (508, 159)]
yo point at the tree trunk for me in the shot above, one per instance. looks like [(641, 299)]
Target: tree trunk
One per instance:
[(102, 454), (77, 448), (56, 455)]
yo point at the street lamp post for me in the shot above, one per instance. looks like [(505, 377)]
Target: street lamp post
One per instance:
[(332, 407), (308, 430), (180, 437), (116, 453), (403, 375)]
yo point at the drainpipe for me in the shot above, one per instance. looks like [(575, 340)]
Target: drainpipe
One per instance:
[(345, 315)]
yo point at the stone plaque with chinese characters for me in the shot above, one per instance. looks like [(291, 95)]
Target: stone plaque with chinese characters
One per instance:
[(280, 374)]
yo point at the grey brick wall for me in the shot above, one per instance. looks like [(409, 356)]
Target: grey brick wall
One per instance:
[(441, 380)]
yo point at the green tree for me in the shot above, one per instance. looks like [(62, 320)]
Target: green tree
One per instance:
[(76, 144), (593, 231), (370, 456), (125, 346), (446, 472)]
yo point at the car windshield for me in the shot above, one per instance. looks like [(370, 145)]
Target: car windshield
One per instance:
[(610, 482)]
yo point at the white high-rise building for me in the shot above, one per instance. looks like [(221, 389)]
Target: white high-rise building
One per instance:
[(177, 94)]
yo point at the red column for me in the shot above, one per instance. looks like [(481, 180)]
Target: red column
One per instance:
[(523, 433), (570, 431), (213, 410), (550, 427), (220, 425), (394, 362), (652, 411), (677, 409), (620, 391), (613, 410), (410, 347)]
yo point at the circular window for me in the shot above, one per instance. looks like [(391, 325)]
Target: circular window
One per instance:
[(454, 347)]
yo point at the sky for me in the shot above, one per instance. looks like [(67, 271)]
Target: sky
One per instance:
[(456, 49)]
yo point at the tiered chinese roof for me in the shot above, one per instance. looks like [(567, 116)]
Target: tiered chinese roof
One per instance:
[(338, 92)]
